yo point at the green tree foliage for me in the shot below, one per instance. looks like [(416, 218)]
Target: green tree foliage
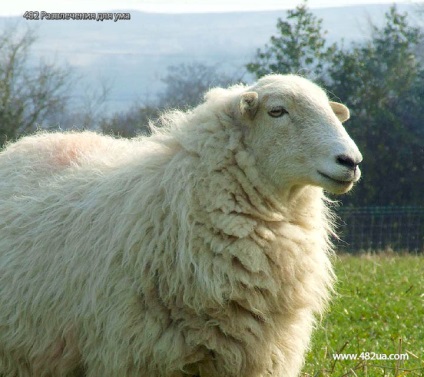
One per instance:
[(27, 92), (300, 47), (382, 83)]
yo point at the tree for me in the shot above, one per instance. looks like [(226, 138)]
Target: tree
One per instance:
[(187, 83), (299, 47), (185, 87), (381, 81), (132, 122), (27, 92)]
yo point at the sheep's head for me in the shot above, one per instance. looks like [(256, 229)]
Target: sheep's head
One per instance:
[(297, 136)]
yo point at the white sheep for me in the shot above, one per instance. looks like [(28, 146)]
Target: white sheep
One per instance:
[(202, 250)]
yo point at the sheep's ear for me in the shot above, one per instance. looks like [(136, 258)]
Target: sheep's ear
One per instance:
[(341, 111), (249, 104)]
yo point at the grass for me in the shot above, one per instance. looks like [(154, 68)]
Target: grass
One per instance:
[(379, 308)]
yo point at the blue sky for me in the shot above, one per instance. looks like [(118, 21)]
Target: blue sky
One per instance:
[(18, 7)]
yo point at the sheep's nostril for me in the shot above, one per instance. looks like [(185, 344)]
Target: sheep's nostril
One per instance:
[(347, 161)]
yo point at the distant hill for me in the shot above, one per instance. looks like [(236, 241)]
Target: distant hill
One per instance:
[(133, 55)]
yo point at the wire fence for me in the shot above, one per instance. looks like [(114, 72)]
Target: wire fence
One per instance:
[(381, 228)]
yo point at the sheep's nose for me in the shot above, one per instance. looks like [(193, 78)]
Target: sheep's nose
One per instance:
[(348, 161)]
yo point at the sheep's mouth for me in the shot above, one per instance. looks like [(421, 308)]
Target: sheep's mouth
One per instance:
[(339, 182)]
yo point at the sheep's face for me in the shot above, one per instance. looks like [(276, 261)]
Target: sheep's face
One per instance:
[(297, 136)]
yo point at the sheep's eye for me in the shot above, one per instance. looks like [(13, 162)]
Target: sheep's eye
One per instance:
[(277, 112)]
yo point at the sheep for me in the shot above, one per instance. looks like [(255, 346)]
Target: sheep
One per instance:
[(201, 250)]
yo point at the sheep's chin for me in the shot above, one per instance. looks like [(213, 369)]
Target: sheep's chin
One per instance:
[(334, 185)]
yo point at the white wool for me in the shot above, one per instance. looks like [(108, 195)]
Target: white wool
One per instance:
[(177, 254)]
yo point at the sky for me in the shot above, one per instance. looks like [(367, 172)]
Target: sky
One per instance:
[(19, 7)]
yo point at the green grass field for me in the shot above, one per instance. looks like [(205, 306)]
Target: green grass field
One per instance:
[(379, 309)]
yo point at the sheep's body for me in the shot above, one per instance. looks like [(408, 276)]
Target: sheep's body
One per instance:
[(166, 256)]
